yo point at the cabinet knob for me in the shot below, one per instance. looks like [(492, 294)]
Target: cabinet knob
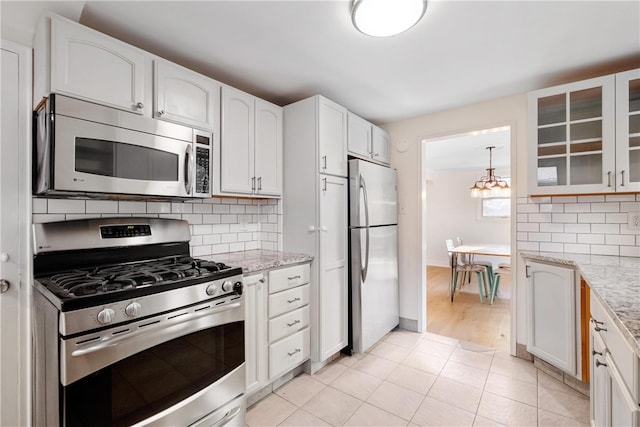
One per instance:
[(261, 280), (162, 113), (4, 286), (139, 105)]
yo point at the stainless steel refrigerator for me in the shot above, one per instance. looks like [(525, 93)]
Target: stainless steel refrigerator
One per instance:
[(373, 245)]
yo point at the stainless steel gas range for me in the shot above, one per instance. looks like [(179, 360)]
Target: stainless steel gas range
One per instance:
[(131, 330)]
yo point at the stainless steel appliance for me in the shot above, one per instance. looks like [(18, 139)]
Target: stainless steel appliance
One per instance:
[(373, 246), (130, 330), (81, 148)]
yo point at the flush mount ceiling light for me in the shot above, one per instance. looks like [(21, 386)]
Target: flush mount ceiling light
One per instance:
[(490, 185), (384, 18)]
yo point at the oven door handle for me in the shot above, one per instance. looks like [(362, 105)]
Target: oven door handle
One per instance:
[(114, 341)]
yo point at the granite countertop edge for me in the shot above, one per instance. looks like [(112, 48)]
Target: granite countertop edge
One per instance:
[(615, 281), (259, 259)]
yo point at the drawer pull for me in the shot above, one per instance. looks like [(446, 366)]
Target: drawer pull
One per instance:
[(598, 328), (291, 301), (293, 323), (297, 350), (294, 277), (599, 363), (593, 353), (597, 322)]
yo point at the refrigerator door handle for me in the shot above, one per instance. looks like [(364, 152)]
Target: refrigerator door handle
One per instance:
[(365, 268)]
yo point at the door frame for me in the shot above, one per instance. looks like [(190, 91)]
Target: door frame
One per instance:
[(18, 355), (423, 141)]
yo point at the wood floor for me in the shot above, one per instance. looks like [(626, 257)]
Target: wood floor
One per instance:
[(466, 318)]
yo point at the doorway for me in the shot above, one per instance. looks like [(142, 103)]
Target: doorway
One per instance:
[(451, 164)]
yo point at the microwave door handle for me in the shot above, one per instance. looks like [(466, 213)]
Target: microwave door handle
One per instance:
[(188, 169)]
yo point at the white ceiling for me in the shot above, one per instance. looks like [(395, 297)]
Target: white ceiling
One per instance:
[(462, 52)]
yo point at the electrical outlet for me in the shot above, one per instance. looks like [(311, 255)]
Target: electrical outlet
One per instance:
[(634, 220)]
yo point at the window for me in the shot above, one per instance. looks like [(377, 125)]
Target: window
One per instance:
[(496, 207)]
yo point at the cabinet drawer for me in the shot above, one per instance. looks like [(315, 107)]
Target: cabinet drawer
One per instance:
[(289, 353), (288, 323), (290, 277), (285, 301)]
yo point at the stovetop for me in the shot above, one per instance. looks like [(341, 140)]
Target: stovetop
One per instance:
[(91, 286)]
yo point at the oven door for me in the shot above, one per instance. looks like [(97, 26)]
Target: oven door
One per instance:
[(173, 369)]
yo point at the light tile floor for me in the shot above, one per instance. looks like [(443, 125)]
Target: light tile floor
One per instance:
[(411, 379)]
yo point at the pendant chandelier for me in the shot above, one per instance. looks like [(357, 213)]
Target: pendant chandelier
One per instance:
[(490, 185)]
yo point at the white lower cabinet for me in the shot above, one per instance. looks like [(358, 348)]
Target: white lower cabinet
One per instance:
[(553, 316), (255, 343), (615, 394)]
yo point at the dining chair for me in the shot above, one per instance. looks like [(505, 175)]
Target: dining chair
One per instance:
[(503, 268), (457, 267), (471, 260)]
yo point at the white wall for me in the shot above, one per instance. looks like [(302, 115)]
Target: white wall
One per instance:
[(510, 111), (451, 212)]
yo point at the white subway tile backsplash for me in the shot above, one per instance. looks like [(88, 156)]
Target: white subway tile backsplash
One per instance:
[(605, 228), (217, 225), (605, 250), (544, 217), (64, 206), (101, 206), (579, 224), (551, 247), (577, 228), (593, 218)]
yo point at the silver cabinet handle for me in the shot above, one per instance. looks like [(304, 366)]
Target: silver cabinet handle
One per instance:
[(593, 353), (139, 105), (609, 179), (622, 173), (253, 183), (259, 183), (291, 301), (599, 363), (324, 162), (598, 328), (294, 277), (324, 184), (297, 350), (4, 286), (293, 323)]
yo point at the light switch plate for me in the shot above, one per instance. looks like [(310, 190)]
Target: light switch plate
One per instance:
[(634, 220)]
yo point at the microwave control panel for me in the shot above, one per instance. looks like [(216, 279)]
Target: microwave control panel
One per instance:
[(203, 171)]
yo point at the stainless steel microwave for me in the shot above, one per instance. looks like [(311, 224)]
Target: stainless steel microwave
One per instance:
[(82, 148)]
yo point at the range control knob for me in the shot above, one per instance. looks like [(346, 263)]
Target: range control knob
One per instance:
[(237, 288), (211, 290), (134, 309), (227, 286), (105, 316)]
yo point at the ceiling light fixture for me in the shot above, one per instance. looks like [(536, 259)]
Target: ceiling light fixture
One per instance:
[(490, 185), (384, 18)]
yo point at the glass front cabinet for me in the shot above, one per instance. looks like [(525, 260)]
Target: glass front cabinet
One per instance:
[(585, 136)]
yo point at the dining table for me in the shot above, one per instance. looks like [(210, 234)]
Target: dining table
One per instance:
[(472, 249)]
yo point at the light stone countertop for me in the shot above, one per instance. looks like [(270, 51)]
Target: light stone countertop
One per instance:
[(258, 259), (615, 282)]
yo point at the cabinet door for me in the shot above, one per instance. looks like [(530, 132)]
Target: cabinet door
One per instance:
[(333, 265), (332, 136), (572, 138), (598, 385), (623, 410), (237, 142), (268, 148), (255, 344), (358, 136), (96, 67), (381, 145), (185, 97), (628, 131), (551, 314)]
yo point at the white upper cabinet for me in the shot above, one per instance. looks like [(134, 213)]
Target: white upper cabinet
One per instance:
[(359, 136), (584, 137), (367, 141), (184, 96), (628, 131), (268, 148), (80, 62), (250, 146), (332, 135), (380, 142)]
